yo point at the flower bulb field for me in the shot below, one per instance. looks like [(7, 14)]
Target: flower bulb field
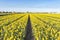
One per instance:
[(30, 26)]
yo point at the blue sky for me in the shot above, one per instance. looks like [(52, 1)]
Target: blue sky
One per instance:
[(29, 5)]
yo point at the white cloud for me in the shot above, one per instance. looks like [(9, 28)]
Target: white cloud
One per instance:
[(31, 9)]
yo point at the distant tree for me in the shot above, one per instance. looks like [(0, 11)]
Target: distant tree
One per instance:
[(3, 11), (27, 12), (7, 12), (0, 12)]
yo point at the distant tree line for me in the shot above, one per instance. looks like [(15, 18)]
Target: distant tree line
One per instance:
[(5, 12), (28, 12)]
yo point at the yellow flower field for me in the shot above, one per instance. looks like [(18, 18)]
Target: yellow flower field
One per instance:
[(44, 26)]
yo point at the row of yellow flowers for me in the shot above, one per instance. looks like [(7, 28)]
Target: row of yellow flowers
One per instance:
[(45, 31), (15, 30)]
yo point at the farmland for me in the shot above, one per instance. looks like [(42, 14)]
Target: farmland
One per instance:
[(30, 26)]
